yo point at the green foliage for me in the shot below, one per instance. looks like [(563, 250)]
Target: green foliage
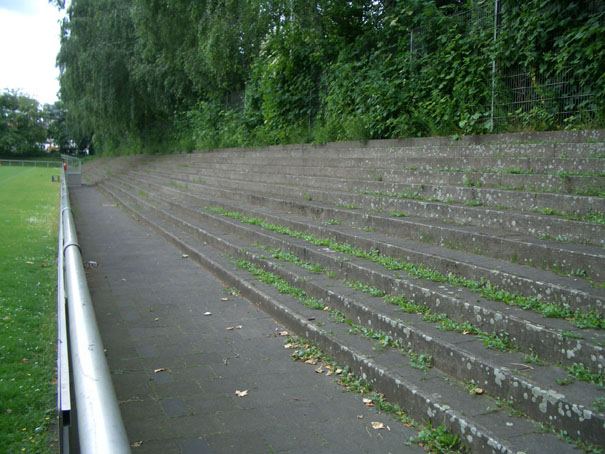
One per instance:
[(22, 130), (144, 75)]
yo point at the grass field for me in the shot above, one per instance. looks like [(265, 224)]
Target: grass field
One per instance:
[(29, 209)]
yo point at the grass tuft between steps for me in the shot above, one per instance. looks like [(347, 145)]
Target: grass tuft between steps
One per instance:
[(485, 288)]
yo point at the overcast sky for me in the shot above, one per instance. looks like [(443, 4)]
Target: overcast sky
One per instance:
[(29, 33)]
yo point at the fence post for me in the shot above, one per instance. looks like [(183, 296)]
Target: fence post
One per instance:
[(496, 23)]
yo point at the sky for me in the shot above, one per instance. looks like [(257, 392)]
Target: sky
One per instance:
[(29, 33)]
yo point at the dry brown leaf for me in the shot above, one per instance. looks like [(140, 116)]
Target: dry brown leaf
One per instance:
[(241, 393), (326, 308), (312, 361), (465, 332), (330, 372), (359, 416), (476, 391), (161, 369), (229, 328), (137, 444), (283, 333), (156, 319), (338, 371), (29, 263), (287, 345), (377, 425), (224, 299), (368, 402), (319, 370), (239, 327), (184, 256), (207, 313)]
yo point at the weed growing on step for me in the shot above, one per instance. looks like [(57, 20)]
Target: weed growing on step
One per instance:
[(485, 288), (143, 194), (333, 222), (280, 284), (563, 435), (439, 440), (289, 257), (429, 437), (350, 207), (582, 373), (533, 358), (599, 404), (397, 214)]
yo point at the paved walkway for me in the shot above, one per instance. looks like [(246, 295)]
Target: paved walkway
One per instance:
[(176, 370)]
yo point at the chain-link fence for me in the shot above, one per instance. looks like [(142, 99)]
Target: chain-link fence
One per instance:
[(519, 95)]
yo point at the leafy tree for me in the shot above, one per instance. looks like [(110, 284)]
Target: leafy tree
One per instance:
[(22, 130)]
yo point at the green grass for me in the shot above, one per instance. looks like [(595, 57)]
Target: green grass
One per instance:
[(28, 246)]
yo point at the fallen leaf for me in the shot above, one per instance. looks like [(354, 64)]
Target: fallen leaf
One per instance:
[(43, 265), (241, 393), (368, 402), (184, 256), (156, 319), (287, 345), (377, 425), (283, 333), (207, 313), (137, 444), (359, 416), (330, 372), (29, 263), (161, 369), (338, 371), (239, 327), (224, 299), (465, 332), (25, 360), (312, 361), (229, 328), (326, 308), (319, 370), (476, 391)]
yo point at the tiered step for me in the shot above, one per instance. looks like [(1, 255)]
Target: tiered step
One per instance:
[(458, 273)]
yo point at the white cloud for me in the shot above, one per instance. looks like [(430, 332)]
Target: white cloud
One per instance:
[(29, 33)]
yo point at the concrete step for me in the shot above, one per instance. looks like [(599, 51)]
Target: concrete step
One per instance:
[(545, 253), (338, 340), (570, 292), (589, 166), (574, 205), (511, 179), (547, 338)]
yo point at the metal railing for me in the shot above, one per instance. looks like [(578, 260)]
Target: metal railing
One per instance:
[(74, 170), (89, 414)]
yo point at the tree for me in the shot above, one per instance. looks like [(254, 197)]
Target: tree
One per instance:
[(22, 130)]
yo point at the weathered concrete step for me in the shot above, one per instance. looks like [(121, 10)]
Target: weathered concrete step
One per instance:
[(515, 248), (387, 150), (572, 292), (524, 164), (377, 375), (459, 177), (506, 221), (525, 328), (501, 198)]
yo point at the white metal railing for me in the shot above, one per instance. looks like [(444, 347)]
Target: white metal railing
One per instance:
[(84, 379)]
